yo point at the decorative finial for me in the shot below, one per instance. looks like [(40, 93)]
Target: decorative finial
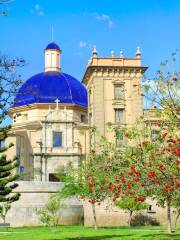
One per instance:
[(121, 54), (94, 52), (138, 52), (112, 54)]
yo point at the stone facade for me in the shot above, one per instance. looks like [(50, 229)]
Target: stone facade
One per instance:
[(34, 195), (108, 215), (33, 138)]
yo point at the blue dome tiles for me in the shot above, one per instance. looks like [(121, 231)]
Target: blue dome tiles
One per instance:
[(46, 87), (52, 46)]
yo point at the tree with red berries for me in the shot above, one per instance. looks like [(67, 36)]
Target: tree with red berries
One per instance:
[(93, 180), (153, 149), (153, 165)]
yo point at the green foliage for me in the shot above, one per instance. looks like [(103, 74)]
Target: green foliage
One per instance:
[(10, 82), (130, 204), (49, 215), (144, 220), (4, 208)]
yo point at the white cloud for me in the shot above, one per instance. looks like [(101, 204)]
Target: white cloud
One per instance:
[(82, 44), (37, 10), (105, 18)]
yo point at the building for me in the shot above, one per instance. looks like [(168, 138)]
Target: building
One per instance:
[(51, 117), (49, 130), (111, 95), (48, 114)]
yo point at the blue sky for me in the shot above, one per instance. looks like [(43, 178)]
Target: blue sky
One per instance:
[(78, 24)]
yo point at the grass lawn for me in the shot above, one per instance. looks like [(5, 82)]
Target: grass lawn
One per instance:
[(82, 233)]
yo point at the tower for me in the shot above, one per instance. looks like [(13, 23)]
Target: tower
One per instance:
[(52, 58), (112, 95)]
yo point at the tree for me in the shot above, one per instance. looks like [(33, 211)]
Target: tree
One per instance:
[(153, 165), (4, 11), (9, 84), (92, 181), (50, 213), (176, 205), (4, 208), (10, 81), (131, 205)]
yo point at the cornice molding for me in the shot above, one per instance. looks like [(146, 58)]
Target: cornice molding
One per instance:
[(113, 71)]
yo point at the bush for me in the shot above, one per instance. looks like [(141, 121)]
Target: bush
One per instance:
[(49, 215), (144, 220)]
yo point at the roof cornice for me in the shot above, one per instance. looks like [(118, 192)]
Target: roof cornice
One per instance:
[(113, 70)]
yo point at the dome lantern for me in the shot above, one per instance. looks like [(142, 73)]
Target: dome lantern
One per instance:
[(52, 58)]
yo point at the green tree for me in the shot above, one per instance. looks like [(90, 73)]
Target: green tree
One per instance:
[(50, 213), (9, 84), (4, 208), (131, 205), (91, 182), (176, 205)]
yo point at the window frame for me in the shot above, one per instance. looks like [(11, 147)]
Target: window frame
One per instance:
[(119, 142), (117, 96), (53, 145), (115, 117), (154, 134)]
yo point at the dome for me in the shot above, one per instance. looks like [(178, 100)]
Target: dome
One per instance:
[(52, 46), (46, 87)]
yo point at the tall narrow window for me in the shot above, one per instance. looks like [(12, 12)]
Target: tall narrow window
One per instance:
[(83, 118), (119, 115), (119, 91), (154, 134), (119, 139), (90, 119), (53, 62), (57, 139)]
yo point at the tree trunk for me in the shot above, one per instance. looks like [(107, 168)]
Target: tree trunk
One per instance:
[(178, 215), (169, 227), (94, 215), (130, 217)]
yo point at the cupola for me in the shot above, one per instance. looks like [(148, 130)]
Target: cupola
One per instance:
[(52, 58)]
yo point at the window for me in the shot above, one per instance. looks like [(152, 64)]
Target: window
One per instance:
[(2, 144), (90, 119), (53, 177), (119, 139), (53, 63), (119, 115), (57, 139), (150, 209), (154, 134), (83, 118), (119, 92)]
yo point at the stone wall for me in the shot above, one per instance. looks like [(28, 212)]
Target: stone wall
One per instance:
[(108, 215), (34, 195)]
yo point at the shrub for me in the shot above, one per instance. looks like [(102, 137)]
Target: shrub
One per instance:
[(49, 215), (144, 220)]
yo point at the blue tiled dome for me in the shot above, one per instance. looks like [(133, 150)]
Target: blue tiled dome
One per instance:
[(46, 87), (52, 46)]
